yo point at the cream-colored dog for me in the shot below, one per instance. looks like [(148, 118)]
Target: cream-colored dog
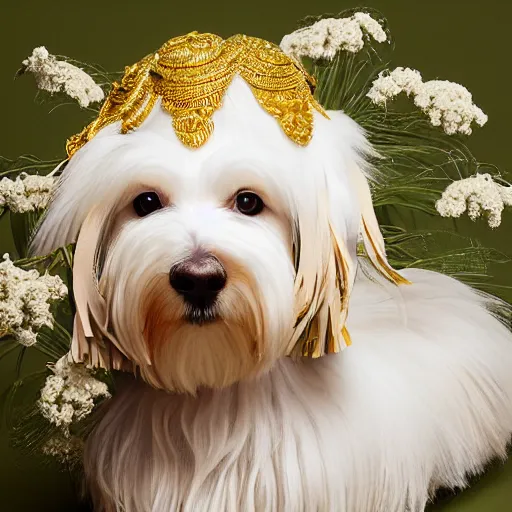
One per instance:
[(203, 258)]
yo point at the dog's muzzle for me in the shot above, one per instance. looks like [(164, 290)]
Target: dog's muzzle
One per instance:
[(199, 280)]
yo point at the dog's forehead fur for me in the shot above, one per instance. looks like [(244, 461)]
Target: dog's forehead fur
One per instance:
[(248, 149)]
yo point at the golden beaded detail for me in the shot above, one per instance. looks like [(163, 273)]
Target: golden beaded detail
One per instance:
[(191, 74)]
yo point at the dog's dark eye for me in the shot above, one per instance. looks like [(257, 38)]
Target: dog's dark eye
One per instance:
[(249, 203), (146, 203)]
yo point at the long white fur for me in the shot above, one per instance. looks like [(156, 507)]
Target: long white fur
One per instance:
[(422, 399)]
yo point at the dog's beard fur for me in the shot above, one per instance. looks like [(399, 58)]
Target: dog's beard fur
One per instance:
[(153, 324), (423, 398)]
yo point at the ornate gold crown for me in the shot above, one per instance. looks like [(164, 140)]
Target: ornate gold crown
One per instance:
[(191, 74)]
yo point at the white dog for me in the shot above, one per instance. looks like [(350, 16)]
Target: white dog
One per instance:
[(204, 257)]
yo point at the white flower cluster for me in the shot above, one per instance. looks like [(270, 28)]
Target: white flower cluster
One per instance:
[(479, 194), (388, 85), (28, 192), (326, 37), (53, 75), (448, 104), (68, 395), (25, 298)]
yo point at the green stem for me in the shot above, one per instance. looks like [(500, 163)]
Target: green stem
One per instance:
[(18, 170)]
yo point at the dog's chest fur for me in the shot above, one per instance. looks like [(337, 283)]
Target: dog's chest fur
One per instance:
[(377, 428), (262, 445)]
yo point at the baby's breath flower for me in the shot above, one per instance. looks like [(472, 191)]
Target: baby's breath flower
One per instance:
[(477, 195), (25, 298), (28, 192), (370, 26), (388, 85), (326, 37), (69, 394), (447, 104), (53, 76)]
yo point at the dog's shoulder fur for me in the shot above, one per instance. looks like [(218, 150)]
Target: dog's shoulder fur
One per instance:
[(422, 399)]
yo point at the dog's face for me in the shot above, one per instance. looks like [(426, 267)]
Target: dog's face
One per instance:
[(213, 263)]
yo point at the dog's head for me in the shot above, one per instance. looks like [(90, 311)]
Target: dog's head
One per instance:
[(203, 266)]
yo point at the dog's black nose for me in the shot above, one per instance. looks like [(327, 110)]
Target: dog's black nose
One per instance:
[(198, 279)]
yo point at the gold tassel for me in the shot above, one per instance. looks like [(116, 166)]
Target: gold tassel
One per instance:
[(90, 323), (372, 236)]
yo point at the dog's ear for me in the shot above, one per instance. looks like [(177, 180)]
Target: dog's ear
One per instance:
[(325, 247), (78, 190), (70, 218), (60, 224), (92, 342), (325, 272)]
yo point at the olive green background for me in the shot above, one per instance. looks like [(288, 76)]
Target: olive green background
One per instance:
[(464, 41)]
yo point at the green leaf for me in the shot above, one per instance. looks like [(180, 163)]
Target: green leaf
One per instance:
[(7, 346), (68, 254), (53, 343), (7, 399), (19, 362), (21, 391), (23, 226)]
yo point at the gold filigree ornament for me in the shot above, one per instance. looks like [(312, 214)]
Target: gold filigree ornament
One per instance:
[(191, 73)]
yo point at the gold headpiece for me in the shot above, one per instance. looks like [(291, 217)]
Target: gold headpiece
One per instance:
[(191, 74)]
